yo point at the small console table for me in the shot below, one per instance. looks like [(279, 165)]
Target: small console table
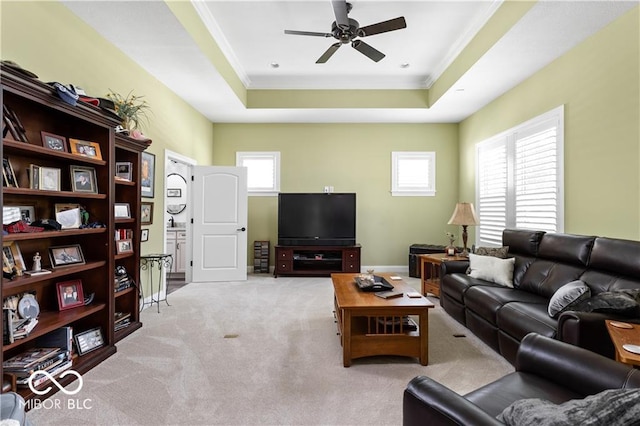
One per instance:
[(316, 260), (431, 279), (159, 261)]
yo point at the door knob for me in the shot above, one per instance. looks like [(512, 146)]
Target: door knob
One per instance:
[(241, 229)]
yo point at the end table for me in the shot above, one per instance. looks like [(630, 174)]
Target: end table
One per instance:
[(430, 278), (621, 336)]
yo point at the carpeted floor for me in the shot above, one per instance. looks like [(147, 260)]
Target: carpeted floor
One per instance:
[(264, 351)]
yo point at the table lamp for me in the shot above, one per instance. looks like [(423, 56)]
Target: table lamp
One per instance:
[(464, 215)]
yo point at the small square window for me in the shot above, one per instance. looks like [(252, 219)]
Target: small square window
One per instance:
[(413, 174), (263, 172)]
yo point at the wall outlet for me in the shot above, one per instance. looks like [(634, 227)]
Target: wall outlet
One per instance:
[(327, 189)]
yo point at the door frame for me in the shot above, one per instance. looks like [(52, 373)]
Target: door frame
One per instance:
[(190, 163)]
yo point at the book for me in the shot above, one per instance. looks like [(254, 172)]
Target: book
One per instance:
[(41, 378), (59, 338), (29, 358)]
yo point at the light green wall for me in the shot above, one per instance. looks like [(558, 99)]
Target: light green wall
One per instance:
[(353, 158), (598, 82), (46, 38)]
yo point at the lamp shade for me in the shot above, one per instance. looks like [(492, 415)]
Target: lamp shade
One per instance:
[(464, 214)]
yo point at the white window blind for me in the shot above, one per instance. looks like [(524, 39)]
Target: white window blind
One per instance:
[(263, 171), (413, 173), (520, 179)]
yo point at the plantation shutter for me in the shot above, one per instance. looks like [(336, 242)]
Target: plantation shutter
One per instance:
[(491, 206), (519, 178)]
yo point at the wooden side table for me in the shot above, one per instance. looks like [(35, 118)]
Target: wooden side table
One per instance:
[(622, 336), (430, 278)]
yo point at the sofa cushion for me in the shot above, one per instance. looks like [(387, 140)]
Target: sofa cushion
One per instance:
[(518, 319), (620, 302), (566, 248), (521, 241), (500, 252), (486, 300), (492, 269), (610, 407), (568, 296), (617, 256), (456, 285), (545, 277)]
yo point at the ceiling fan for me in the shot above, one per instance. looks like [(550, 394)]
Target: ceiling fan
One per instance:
[(345, 30)]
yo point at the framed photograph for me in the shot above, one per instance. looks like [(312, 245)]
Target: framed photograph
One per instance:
[(121, 211), (8, 176), (34, 176), (144, 235), (70, 294), (12, 257), (147, 169), (49, 179), (174, 192), (54, 142), (83, 179), (68, 215), (85, 148), (146, 213), (124, 246), (66, 255), (89, 340), (11, 214), (28, 306), (124, 170)]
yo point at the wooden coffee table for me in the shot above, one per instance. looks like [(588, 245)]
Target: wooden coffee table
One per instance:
[(369, 325)]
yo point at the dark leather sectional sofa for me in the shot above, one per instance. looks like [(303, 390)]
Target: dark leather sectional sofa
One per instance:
[(544, 262)]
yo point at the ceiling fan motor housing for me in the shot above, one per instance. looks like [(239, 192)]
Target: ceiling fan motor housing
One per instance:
[(345, 35)]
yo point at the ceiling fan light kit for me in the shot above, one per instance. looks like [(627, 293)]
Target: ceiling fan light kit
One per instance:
[(346, 30)]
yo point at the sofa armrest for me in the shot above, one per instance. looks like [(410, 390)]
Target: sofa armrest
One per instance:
[(587, 330), (427, 402), (453, 267), (581, 370)]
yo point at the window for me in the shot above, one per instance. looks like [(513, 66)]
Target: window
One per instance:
[(519, 178), (413, 173), (263, 172)]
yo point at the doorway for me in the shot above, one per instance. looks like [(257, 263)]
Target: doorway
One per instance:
[(177, 217)]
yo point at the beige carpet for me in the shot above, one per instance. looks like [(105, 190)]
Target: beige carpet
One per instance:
[(264, 351)]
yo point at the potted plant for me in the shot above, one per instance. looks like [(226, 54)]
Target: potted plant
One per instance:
[(132, 109)]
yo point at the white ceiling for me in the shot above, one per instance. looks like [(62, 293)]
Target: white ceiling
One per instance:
[(251, 36)]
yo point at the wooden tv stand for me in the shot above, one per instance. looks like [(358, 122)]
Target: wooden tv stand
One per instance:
[(316, 260)]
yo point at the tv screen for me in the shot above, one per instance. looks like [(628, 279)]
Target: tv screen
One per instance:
[(316, 219)]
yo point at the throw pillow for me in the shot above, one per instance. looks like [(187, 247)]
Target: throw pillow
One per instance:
[(611, 407), (500, 252), (567, 296), (620, 302), (489, 268)]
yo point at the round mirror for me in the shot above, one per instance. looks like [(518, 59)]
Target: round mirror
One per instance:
[(176, 193)]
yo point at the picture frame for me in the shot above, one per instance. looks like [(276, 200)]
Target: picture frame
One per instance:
[(85, 148), (49, 178), (28, 306), (121, 211), (70, 294), (11, 214), (124, 170), (61, 256), (34, 176), (89, 340), (174, 192), (12, 257), (68, 215), (144, 235), (147, 174), (124, 246), (8, 175), (54, 142), (146, 213), (83, 179)]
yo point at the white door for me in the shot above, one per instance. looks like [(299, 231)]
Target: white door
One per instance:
[(219, 224)]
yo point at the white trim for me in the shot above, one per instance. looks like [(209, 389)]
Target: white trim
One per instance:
[(427, 190)]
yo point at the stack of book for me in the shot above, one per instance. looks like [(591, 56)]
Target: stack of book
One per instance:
[(122, 320), (13, 328), (52, 353), (122, 282), (123, 234)]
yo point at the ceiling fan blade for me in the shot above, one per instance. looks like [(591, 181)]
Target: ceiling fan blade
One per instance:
[(308, 33), (383, 27), (340, 10), (330, 51), (368, 51)]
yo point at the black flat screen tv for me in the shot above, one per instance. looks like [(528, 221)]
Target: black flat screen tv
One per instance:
[(316, 219)]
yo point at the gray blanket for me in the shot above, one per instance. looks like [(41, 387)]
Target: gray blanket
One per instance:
[(614, 407)]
